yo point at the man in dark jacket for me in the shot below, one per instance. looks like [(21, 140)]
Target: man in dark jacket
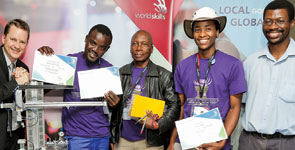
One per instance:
[(144, 78), (15, 40)]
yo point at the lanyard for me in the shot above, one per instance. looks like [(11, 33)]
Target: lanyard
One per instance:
[(130, 90), (98, 65), (202, 88)]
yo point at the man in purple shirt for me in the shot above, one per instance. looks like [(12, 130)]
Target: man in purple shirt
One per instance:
[(87, 128), (209, 78)]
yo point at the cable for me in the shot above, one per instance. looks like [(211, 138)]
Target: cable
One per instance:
[(37, 119), (36, 115), (15, 98)]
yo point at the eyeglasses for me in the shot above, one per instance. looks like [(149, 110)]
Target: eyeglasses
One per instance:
[(269, 22)]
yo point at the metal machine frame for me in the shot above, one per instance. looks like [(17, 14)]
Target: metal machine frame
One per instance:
[(34, 107)]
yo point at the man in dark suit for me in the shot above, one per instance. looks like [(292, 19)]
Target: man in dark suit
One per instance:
[(13, 72)]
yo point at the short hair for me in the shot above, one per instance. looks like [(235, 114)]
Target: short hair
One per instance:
[(102, 29), (19, 24), (146, 32), (281, 4)]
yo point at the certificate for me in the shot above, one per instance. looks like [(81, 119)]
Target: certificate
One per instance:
[(55, 69), (204, 128), (96, 82)]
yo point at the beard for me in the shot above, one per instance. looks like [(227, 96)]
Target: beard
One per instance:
[(283, 37), (88, 61)]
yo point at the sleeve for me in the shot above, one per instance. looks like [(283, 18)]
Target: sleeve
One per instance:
[(7, 90), (177, 80), (237, 82), (166, 122), (115, 122), (21, 64), (245, 65)]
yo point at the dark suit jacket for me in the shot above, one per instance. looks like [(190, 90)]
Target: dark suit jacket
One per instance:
[(6, 94)]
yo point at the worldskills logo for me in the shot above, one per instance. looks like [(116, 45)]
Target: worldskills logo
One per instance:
[(199, 85), (160, 9)]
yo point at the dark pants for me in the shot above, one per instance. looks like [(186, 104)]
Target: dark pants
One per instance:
[(11, 142), (255, 141)]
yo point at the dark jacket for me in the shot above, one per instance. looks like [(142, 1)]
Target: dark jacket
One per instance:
[(6, 93), (158, 84)]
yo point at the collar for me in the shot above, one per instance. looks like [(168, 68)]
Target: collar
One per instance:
[(289, 52), (152, 69)]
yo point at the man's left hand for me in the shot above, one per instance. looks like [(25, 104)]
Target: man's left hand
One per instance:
[(151, 122), (19, 71), (213, 146), (21, 76), (112, 98)]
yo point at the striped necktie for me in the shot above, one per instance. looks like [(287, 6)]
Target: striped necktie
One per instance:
[(11, 68)]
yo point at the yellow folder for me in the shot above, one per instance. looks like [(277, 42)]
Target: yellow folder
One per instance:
[(141, 104)]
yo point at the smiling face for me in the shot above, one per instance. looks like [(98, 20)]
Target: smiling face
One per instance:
[(15, 42), (205, 34), (96, 44), (141, 48), (276, 27)]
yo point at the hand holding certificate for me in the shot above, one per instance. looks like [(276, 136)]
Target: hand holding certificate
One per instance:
[(204, 128), (54, 69)]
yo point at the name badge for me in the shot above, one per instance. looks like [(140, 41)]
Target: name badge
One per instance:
[(197, 103), (125, 113), (127, 107), (199, 110)]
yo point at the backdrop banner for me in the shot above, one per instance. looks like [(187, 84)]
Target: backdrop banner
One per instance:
[(155, 16)]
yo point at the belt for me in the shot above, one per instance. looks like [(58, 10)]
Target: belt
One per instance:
[(270, 136)]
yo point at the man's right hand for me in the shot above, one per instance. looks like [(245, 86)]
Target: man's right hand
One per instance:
[(111, 98), (46, 50), (21, 75)]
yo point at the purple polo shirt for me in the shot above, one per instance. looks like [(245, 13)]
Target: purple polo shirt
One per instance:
[(84, 121), (130, 130), (226, 78)]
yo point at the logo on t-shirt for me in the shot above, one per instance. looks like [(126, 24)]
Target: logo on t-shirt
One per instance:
[(198, 86)]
